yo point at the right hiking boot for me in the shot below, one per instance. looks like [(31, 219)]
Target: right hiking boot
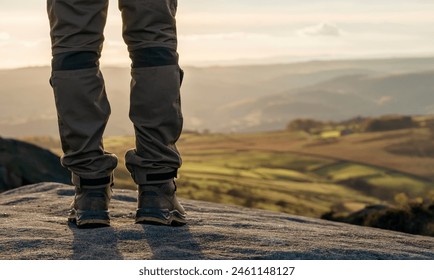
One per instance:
[(157, 204), (91, 202)]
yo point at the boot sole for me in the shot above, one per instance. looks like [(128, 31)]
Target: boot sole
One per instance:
[(160, 217), (89, 218)]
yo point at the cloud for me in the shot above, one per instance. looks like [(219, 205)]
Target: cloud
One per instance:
[(384, 99), (4, 36), (321, 29)]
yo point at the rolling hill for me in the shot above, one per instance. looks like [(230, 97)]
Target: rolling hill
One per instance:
[(293, 172)]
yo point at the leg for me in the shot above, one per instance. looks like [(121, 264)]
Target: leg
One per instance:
[(150, 32), (82, 106)]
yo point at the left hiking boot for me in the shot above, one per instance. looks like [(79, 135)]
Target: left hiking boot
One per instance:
[(157, 204), (91, 202)]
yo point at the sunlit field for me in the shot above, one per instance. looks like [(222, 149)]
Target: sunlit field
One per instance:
[(293, 172)]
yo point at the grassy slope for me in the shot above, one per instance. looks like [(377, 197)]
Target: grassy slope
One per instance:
[(292, 173)]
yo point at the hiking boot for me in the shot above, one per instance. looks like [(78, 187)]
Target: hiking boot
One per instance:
[(90, 206), (157, 204)]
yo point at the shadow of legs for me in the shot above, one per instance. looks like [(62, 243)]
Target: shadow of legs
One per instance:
[(95, 244), (172, 242)]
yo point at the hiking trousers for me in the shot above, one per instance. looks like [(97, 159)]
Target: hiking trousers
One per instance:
[(149, 31)]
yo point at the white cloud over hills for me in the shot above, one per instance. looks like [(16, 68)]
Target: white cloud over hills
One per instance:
[(321, 29)]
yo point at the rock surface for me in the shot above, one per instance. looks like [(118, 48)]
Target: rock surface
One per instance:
[(33, 226), (22, 163)]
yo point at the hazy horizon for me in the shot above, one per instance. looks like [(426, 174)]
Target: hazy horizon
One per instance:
[(247, 32)]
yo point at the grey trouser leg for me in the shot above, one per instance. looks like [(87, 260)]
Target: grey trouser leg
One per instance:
[(150, 33), (82, 106)]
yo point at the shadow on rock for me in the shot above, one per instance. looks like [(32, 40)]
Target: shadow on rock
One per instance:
[(95, 244), (168, 243)]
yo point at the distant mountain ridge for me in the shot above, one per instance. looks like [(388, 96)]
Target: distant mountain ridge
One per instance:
[(342, 98), (241, 98)]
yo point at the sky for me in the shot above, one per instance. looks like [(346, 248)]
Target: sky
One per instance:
[(246, 31)]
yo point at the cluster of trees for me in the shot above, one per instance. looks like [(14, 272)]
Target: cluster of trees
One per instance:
[(358, 124)]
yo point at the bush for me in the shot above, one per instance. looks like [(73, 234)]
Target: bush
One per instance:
[(306, 125), (413, 218), (386, 123)]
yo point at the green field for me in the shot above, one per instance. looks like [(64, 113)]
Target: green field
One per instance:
[(285, 172), (290, 183), (269, 180)]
